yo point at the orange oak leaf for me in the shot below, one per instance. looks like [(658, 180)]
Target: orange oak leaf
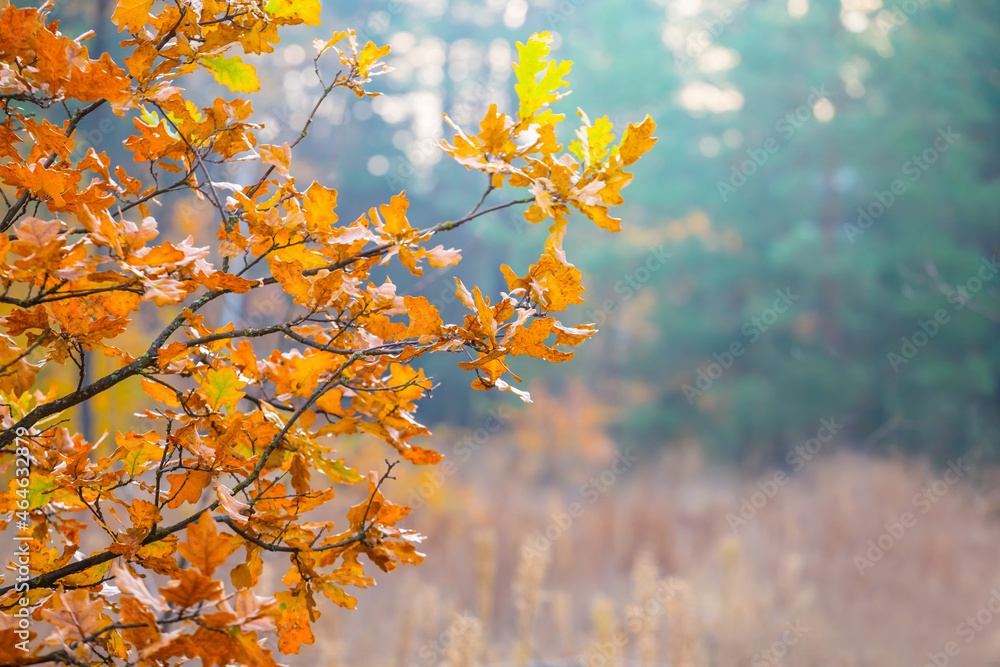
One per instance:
[(143, 630), (190, 588), (144, 516), (205, 548), (131, 14), (187, 487), (295, 616), (160, 393), (74, 615)]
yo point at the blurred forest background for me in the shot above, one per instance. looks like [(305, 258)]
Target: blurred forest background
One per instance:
[(808, 259), (783, 127)]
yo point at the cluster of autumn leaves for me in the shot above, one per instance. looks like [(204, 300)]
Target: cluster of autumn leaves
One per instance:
[(229, 471)]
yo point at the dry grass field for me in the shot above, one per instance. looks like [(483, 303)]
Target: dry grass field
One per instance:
[(548, 546)]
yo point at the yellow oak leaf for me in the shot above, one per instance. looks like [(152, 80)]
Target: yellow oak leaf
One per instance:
[(222, 388), (233, 73), (537, 79), (306, 11)]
